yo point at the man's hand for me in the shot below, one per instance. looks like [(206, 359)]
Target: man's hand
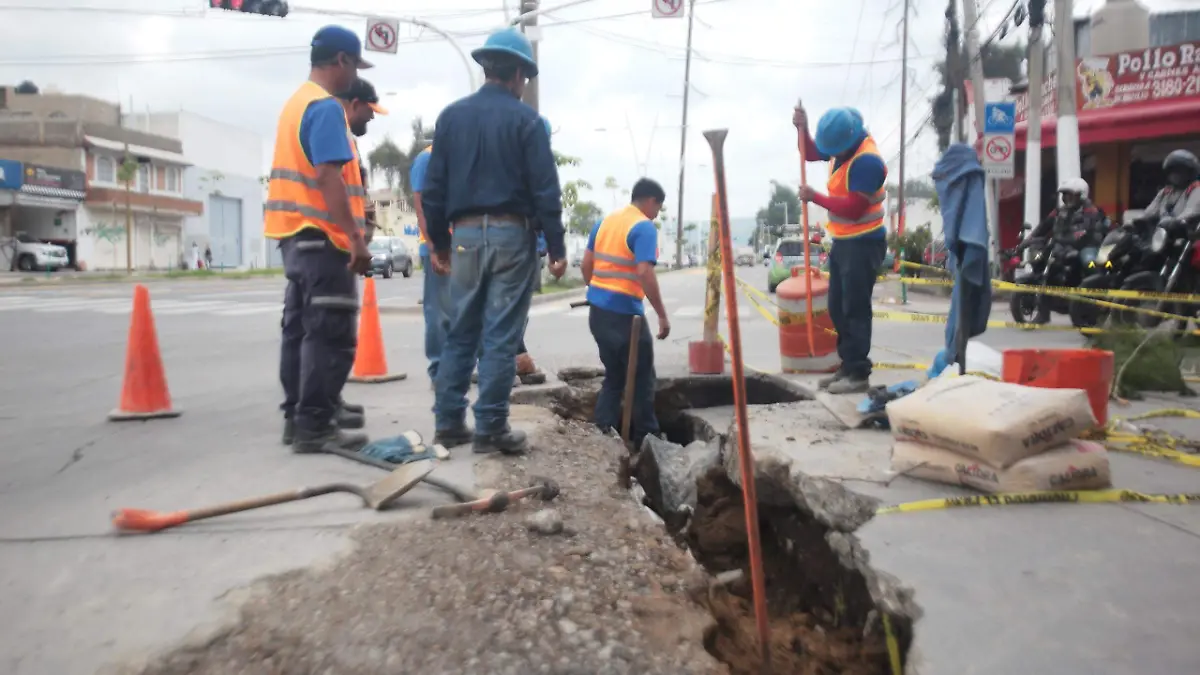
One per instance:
[(805, 193), (664, 326), (441, 262), (558, 268), (360, 257), (799, 117)]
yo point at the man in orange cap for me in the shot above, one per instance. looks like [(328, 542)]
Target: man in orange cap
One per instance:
[(361, 104)]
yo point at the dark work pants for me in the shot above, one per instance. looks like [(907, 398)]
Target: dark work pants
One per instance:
[(320, 308), (853, 265), (611, 331)]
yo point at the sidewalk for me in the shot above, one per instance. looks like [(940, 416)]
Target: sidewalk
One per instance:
[(71, 277)]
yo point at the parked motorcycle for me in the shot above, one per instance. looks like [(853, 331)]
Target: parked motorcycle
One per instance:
[(1121, 255), (1173, 267)]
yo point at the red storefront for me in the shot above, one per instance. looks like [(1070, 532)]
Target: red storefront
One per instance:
[(1133, 108)]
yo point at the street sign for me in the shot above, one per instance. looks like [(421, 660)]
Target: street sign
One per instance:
[(999, 139), (381, 34), (667, 9)]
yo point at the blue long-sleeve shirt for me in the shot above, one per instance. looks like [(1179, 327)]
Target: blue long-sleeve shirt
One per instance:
[(491, 155)]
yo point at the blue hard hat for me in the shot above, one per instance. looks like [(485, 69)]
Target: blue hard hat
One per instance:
[(839, 131), (546, 123), (512, 42)]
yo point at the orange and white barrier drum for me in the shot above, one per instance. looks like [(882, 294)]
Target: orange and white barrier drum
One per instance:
[(798, 353)]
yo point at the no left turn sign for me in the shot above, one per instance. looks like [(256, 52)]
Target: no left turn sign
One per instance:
[(381, 34), (667, 9)]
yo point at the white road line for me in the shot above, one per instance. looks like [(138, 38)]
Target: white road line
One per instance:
[(192, 308), (249, 309), (78, 306)]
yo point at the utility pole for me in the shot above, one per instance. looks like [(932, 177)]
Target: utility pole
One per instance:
[(975, 67), (531, 88), (954, 74), (1067, 142), (687, 86), (1033, 116), (903, 142)]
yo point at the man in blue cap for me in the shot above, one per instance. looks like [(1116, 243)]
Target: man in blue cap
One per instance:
[(316, 208), (855, 204), (492, 179)]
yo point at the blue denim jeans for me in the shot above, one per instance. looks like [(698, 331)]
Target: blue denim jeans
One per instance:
[(491, 284), (435, 303), (612, 332), (853, 266)]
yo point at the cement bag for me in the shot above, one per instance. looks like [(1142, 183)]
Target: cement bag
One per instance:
[(996, 423), (1077, 465)]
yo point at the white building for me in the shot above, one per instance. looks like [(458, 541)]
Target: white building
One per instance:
[(225, 174)]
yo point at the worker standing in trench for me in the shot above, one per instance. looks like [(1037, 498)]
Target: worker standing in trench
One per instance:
[(619, 268), (855, 204)]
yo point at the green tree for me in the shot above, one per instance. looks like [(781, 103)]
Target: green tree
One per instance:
[(564, 160), (612, 186), (783, 207), (582, 216), (913, 189), (389, 159), (999, 61), (913, 243), (570, 193)]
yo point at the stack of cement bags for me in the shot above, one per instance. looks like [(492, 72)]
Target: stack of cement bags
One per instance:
[(997, 437)]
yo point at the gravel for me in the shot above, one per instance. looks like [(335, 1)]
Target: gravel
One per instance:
[(593, 586)]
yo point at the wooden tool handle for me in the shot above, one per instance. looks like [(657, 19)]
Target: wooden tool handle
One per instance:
[(494, 503), (142, 520), (635, 334)]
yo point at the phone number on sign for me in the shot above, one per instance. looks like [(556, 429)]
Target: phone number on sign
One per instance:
[(1176, 87)]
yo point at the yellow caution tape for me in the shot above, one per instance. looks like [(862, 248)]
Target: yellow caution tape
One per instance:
[(893, 645), (1050, 497), (1122, 294)]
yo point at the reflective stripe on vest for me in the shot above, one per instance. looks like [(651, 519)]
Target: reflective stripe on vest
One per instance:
[(839, 186), (294, 199), (615, 267)]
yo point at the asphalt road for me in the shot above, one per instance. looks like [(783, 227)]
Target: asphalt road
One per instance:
[(73, 596)]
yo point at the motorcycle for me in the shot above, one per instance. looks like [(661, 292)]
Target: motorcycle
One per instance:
[(1120, 255), (1052, 263), (1173, 267)]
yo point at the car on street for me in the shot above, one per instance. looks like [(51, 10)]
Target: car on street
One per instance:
[(744, 257), (29, 254), (789, 253), (390, 255), (935, 253)]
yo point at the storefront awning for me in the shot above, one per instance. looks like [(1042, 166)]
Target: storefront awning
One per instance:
[(138, 150), (1180, 117)]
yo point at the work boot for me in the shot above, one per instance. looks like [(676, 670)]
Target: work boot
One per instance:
[(528, 372), (507, 442), (849, 384), (355, 408), (349, 420), (824, 382), (327, 440), (453, 437)]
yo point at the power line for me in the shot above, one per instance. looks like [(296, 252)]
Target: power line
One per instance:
[(862, 6)]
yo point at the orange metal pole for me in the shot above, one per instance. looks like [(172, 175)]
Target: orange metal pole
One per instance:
[(807, 255), (716, 140)]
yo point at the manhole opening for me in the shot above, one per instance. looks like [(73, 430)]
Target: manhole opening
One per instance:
[(823, 619)]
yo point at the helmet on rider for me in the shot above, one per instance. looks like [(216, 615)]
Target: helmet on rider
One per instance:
[(1182, 168), (1073, 191)]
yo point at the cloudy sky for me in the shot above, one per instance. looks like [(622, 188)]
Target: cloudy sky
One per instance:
[(611, 74)]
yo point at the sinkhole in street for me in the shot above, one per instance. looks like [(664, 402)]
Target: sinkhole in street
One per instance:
[(823, 618)]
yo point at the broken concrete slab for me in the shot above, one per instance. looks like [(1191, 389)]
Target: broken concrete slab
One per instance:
[(668, 473)]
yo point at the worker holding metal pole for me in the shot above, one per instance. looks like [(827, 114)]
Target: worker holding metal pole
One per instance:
[(855, 204)]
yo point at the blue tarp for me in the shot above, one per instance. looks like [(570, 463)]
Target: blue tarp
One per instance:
[(959, 179)]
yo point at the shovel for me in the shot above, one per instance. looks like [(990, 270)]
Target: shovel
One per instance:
[(376, 496)]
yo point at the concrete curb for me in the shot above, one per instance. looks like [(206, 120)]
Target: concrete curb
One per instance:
[(41, 281), (414, 310)]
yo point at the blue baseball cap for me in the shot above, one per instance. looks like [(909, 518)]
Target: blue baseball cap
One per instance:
[(333, 40)]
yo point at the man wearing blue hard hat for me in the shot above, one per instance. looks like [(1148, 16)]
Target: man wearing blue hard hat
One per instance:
[(490, 187), (855, 204), (316, 209)]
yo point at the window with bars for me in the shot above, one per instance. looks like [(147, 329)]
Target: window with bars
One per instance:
[(106, 170)]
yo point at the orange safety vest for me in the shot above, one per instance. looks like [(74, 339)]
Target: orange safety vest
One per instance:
[(839, 186), (615, 267), (294, 200), (421, 237)]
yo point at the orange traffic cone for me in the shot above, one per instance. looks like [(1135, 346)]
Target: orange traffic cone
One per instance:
[(370, 362), (144, 394)]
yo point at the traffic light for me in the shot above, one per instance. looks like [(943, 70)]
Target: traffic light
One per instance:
[(264, 7), (1037, 13)]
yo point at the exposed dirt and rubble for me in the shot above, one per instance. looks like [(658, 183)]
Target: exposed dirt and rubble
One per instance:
[(590, 583)]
